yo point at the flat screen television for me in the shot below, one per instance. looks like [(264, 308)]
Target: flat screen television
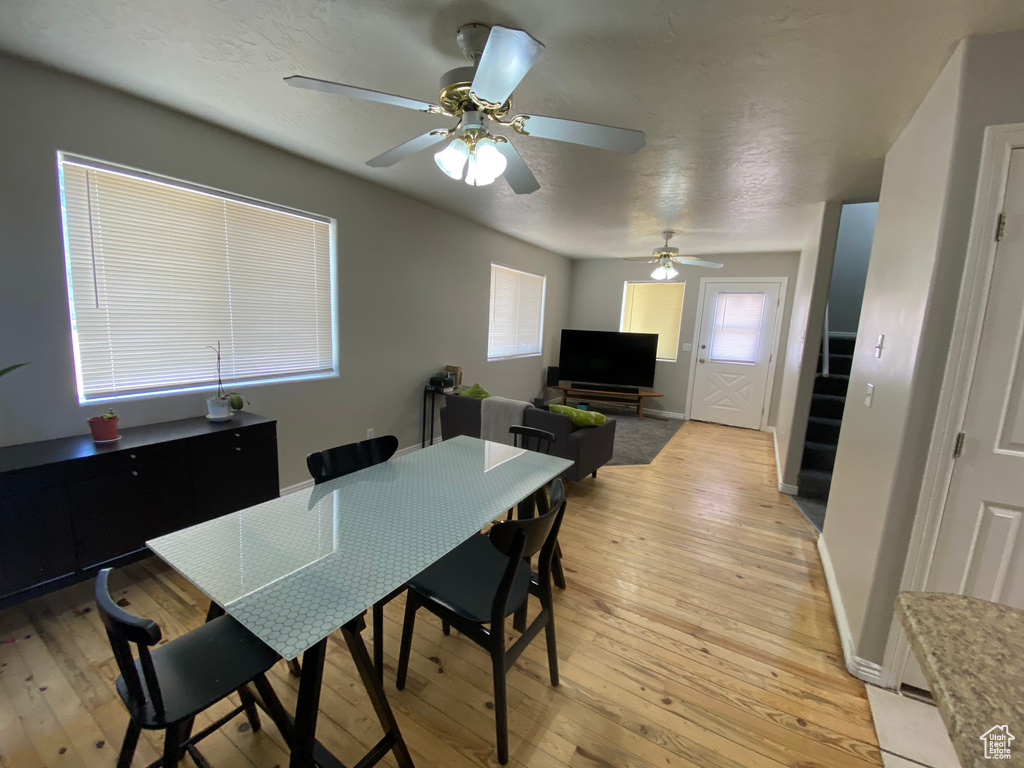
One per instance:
[(607, 357)]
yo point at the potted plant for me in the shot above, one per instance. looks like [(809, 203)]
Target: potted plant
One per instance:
[(223, 405), (104, 427)]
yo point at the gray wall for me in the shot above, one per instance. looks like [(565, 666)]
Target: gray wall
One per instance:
[(596, 304), (801, 361), (850, 268), (924, 215), (413, 282)]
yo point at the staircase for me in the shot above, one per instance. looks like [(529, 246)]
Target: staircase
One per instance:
[(827, 405)]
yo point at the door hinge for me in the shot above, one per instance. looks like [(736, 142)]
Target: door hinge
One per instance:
[(958, 448), (1000, 226)]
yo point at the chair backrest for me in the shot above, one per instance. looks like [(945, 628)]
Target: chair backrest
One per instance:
[(335, 462), (124, 628), (531, 438), (537, 533), (520, 539)]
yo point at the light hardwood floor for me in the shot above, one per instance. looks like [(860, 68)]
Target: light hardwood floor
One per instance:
[(696, 631)]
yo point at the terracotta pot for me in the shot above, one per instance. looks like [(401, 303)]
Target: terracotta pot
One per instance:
[(103, 429)]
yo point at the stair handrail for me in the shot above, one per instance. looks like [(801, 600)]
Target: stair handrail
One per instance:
[(824, 346)]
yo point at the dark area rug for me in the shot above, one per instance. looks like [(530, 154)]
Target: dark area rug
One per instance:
[(638, 442), (813, 509)]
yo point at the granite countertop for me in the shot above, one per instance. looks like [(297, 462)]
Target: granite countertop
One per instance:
[(972, 652)]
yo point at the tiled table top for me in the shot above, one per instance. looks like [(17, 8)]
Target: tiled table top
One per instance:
[(294, 569)]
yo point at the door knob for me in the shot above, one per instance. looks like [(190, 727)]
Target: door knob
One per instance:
[(700, 360)]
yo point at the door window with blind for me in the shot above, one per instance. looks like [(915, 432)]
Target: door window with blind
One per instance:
[(655, 308), (160, 270), (736, 333), (517, 313)]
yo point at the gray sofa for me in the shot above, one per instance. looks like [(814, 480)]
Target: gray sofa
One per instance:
[(589, 447)]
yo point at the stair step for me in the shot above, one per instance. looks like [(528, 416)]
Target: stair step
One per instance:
[(821, 456), (827, 406), (833, 384), (823, 430), (838, 364), (841, 345), (814, 483)]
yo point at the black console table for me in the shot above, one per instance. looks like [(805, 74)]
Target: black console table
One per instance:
[(69, 507)]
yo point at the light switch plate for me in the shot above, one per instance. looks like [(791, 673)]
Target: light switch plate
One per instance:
[(687, 347), (869, 395)]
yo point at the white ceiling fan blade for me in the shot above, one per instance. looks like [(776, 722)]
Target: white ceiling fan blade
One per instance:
[(517, 173), (326, 86), (575, 132), (410, 147), (640, 259), (508, 56), (697, 263)]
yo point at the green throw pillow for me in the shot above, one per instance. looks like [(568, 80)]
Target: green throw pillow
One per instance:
[(474, 391), (580, 418)]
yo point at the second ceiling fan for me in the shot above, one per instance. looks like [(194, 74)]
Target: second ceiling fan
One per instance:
[(479, 96), (667, 256)]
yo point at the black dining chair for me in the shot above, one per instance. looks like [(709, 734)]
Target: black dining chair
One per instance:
[(166, 687), (483, 581), (531, 438), (540, 440), (343, 460)]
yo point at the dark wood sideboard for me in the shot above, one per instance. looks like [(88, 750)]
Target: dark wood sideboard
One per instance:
[(69, 507)]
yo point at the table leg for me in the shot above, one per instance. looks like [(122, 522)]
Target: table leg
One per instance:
[(308, 707), (423, 426), (639, 409), (392, 735), (564, 393)]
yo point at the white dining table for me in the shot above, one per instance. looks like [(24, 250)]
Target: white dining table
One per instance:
[(297, 568)]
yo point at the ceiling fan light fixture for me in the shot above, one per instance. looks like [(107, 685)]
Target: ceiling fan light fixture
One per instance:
[(453, 158), (659, 273), (489, 161)]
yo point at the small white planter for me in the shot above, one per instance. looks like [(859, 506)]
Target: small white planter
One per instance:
[(218, 410)]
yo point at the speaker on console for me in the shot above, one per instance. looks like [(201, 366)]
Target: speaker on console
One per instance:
[(553, 379)]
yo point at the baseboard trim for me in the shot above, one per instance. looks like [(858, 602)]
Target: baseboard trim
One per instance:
[(303, 486), (787, 488), (666, 414), (862, 669)]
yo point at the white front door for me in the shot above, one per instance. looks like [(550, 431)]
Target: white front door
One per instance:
[(735, 340), (980, 546)]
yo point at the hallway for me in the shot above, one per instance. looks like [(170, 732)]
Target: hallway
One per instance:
[(696, 631)]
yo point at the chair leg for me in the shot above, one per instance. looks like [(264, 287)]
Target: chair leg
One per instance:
[(411, 605), (500, 695), (446, 628), (184, 731), (172, 745), (249, 703), (131, 740), (556, 567), (294, 668), (378, 640), (549, 636)]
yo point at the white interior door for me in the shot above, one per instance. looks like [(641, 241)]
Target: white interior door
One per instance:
[(980, 546), (734, 352)]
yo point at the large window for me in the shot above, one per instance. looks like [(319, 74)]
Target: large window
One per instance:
[(655, 308), (160, 270), (517, 313)]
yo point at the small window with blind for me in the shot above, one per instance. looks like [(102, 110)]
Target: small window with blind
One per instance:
[(160, 270), (736, 333), (517, 313), (655, 308)]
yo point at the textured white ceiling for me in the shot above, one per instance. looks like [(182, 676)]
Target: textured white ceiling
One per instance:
[(753, 109)]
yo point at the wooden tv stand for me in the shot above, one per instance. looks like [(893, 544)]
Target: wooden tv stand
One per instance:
[(604, 396)]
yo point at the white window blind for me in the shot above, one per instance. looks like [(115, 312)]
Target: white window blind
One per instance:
[(517, 313), (736, 334), (158, 270), (655, 308)]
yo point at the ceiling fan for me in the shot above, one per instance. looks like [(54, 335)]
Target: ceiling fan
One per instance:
[(479, 96), (666, 256)]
